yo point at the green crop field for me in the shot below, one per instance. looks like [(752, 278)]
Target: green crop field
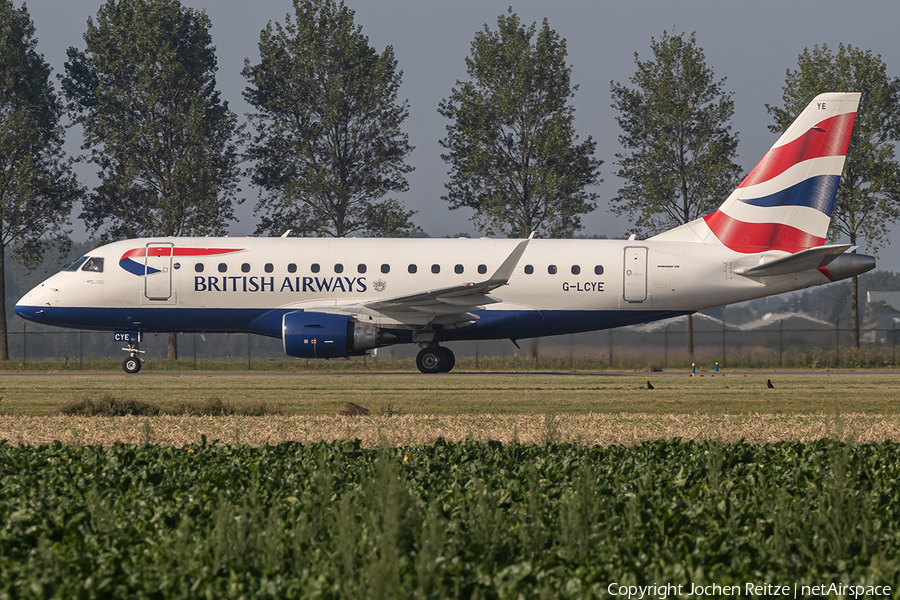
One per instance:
[(444, 520)]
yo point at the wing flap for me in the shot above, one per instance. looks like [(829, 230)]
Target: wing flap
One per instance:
[(471, 300), (443, 309), (459, 319)]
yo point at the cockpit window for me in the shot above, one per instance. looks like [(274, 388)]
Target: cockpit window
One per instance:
[(94, 263), (73, 266)]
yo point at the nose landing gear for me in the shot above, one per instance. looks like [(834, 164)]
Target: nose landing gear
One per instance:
[(435, 359), (133, 363)]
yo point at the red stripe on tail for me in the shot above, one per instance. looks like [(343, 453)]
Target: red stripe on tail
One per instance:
[(831, 137), (749, 238)]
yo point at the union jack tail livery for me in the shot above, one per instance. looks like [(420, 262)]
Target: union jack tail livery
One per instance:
[(785, 203)]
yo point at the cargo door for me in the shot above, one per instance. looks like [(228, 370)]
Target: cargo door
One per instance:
[(635, 288)]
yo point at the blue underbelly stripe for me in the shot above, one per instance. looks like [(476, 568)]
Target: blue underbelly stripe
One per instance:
[(494, 324)]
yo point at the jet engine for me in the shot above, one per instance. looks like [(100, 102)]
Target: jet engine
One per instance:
[(323, 335)]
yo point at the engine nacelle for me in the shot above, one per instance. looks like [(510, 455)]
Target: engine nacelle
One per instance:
[(323, 335)]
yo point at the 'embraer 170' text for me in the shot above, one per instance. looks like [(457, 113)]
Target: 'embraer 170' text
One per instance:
[(288, 284)]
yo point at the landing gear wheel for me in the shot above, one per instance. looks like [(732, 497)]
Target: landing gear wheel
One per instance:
[(133, 363), (431, 359), (449, 359)]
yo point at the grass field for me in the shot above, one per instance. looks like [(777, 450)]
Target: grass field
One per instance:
[(412, 409), (819, 393)]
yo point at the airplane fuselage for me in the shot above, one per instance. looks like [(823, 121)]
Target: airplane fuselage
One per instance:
[(248, 284)]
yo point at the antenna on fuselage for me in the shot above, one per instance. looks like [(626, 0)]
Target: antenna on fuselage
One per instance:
[(287, 233)]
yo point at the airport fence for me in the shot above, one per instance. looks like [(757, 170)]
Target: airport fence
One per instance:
[(658, 347)]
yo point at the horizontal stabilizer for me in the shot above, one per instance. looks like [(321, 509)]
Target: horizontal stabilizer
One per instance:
[(813, 258)]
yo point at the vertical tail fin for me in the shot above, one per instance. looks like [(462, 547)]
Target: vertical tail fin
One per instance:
[(785, 203)]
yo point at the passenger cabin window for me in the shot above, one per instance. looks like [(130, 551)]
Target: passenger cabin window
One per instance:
[(529, 269), (292, 268), (94, 264), (338, 268), (269, 267), (198, 267), (458, 269), (360, 268), (576, 269), (245, 268), (435, 269), (314, 267), (482, 269), (552, 269), (223, 267), (385, 268), (73, 266), (598, 270), (412, 268)]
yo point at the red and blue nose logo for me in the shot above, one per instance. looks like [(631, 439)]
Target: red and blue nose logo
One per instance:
[(141, 261)]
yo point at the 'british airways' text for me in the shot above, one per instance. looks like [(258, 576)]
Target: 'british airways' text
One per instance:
[(288, 284)]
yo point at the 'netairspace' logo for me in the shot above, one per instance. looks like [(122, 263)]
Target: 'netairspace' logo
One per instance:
[(748, 590)]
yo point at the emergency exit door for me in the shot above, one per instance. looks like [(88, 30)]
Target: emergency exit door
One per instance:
[(158, 271), (635, 289)]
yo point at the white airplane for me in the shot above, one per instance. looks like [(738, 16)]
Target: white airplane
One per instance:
[(329, 298)]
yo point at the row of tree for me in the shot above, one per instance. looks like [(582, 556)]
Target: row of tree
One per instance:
[(327, 147)]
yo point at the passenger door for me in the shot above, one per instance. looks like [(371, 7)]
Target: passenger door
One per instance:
[(158, 271)]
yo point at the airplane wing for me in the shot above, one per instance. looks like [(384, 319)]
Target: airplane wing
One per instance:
[(451, 306)]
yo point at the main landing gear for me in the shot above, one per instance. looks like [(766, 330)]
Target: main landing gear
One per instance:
[(435, 359)]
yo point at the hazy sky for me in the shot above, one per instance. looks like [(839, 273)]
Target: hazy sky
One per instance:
[(751, 44)]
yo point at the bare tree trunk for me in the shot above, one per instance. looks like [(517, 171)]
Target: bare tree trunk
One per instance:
[(689, 334), (854, 309), (4, 343), (173, 347)]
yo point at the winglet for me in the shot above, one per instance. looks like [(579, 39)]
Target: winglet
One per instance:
[(504, 272)]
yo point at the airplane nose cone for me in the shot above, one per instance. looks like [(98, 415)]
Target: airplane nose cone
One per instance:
[(30, 313), (32, 304)]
